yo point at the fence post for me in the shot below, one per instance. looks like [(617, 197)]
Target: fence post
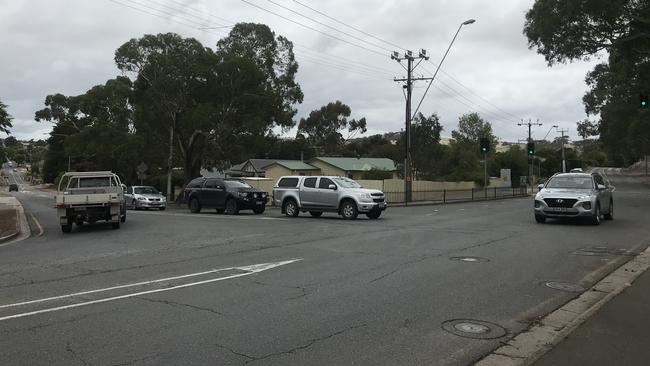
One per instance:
[(495, 192), (472, 194)]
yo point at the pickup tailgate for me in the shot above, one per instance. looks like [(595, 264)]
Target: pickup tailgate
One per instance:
[(86, 199)]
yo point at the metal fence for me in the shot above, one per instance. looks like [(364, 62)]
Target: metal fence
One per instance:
[(458, 195)]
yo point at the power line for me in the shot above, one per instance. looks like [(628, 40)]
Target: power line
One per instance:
[(347, 25), (472, 92), (200, 11), (365, 70), (200, 18), (154, 14), (328, 26), (314, 29)]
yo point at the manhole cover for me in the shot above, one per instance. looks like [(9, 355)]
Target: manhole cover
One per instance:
[(469, 259), (564, 286), (472, 328)]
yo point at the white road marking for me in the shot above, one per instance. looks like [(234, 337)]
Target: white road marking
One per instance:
[(40, 228), (251, 269), (231, 217)]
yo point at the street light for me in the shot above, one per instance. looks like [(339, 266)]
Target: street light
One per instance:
[(467, 22)]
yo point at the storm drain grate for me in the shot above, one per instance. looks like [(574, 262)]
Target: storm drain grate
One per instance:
[(472, 328), (469, 259), (564, 286), (602, 251)]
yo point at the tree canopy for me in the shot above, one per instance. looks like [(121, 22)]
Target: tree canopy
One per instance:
[(5, 119), (322, 128), (565, 31)]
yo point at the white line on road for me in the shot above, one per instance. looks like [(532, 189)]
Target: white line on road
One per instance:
[(252, 269), (231, 217)]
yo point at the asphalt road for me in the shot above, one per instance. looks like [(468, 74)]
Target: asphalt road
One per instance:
[(172, 288)]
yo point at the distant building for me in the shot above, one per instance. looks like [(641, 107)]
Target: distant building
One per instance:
[(338, 166), (352, 167)]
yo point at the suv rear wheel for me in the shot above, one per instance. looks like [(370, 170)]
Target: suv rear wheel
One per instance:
[(596, 218), (291, 208), (232, 208), (349, 210), (610, 214), (195, 206)]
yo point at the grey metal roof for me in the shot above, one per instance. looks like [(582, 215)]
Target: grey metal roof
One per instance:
[(359, 164)]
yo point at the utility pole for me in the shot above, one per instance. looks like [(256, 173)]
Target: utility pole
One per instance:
[(408, 86), (530, 158), (170, 163), (562, 131)]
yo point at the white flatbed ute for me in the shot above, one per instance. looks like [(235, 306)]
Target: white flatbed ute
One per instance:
[(90, 197)]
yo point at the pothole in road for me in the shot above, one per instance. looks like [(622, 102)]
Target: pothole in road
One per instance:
[(602, 251), (472, 328), (564, 286), (469, 259)]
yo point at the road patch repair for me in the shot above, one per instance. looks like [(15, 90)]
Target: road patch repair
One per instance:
[(527, 347), (13, 225), (119, 292)]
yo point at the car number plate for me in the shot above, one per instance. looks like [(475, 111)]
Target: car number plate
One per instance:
[(259, 203), (559, 209)]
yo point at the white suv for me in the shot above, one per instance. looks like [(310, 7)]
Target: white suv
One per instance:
[(318, 194)]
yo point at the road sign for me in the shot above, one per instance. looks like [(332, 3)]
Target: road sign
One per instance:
[(142, 167)]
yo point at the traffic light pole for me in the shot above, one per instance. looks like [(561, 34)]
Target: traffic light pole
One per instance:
[(530, 157), (485, 179), (562, 131)]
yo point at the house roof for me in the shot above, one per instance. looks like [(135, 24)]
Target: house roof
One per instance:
[(295, 165), (359, 164)]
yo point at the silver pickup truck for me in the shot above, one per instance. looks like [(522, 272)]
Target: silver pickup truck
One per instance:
[(90, 197), (318, 194)]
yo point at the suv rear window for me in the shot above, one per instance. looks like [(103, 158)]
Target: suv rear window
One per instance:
[(310, 182), (195, 183), (288, 182)]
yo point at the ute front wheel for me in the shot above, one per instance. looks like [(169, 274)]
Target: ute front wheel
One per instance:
[(291, 208), (349, 210)]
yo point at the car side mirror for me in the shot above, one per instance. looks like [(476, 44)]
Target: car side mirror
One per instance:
[(601, 187), (332, 187), (540, 187)]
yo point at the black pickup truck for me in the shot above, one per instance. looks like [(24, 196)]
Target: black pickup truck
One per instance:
[(226, 195)]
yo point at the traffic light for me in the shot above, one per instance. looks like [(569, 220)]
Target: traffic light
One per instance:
[(643, 101), (531, 149), (485, 145)]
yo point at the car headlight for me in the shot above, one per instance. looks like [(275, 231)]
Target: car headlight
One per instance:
[(365, 197), (255, 195), (586, 205), (538, 203), (140, 198), (242, 194)]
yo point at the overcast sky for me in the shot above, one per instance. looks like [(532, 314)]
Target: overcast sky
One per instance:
[(67, 46)]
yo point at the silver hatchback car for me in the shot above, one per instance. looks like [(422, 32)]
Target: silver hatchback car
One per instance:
[(575, 195)]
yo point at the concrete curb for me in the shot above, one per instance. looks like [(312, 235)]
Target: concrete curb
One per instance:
[(22, 227), (527, 347)]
